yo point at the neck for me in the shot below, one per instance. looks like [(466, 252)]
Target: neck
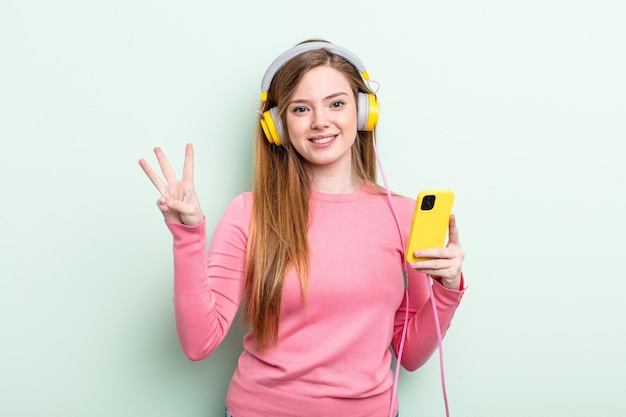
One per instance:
[(335, 183)]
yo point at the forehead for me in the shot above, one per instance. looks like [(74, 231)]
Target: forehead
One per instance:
[(323, 80)]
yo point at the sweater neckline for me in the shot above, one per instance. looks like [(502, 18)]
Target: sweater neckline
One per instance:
[(340, 197)]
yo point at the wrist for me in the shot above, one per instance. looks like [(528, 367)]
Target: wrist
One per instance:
[(452, 284)]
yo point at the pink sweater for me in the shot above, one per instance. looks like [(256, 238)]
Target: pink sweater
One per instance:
[(333, 355)]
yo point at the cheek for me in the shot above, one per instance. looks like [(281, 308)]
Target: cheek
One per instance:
[(295, 126), (350, 120), (350, 128)]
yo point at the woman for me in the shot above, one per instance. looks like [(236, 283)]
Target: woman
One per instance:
[(314, 254)]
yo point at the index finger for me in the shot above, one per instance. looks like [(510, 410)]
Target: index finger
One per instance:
[(166, 168), (188, 164)]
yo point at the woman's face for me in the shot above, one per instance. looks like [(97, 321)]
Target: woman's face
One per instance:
[(322, 119)]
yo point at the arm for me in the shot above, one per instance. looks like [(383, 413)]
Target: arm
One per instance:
[(208, 289), (444, 266), (421, 339)]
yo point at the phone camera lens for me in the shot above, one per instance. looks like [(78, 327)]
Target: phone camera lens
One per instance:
[(428, 202)]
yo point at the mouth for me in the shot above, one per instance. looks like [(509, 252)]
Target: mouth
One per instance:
[(321, 140)]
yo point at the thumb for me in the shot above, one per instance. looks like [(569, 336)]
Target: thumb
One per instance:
[(189, 213), (453, 232)]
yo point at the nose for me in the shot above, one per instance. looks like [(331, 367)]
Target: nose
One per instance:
[(319, 120)]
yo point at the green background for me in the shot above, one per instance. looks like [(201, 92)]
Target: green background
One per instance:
[(519, 107)]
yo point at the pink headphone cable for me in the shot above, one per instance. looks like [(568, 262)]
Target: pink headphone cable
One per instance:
[(255, 108), (406, 296)]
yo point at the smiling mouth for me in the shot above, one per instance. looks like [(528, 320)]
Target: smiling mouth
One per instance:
[(323, 140)]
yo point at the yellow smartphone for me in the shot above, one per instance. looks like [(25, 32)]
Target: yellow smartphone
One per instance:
[(430, 221)]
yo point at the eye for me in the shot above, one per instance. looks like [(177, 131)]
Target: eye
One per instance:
[(337, 104), (299, 109)]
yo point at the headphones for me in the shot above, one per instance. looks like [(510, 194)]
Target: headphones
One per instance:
[(367, 105)]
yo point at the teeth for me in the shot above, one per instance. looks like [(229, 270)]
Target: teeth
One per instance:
[(323, 140)]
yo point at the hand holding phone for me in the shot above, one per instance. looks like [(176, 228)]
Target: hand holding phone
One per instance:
[(430, 221)]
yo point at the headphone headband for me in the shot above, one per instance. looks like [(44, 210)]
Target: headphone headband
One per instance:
[(367, 106), (305, 47)]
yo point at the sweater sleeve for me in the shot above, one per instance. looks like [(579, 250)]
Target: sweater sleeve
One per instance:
[(208, 287), (421, 338)]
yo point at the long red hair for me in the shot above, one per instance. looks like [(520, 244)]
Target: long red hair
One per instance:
[(278, 230)]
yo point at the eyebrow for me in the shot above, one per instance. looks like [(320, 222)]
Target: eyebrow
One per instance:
[(329, 97)]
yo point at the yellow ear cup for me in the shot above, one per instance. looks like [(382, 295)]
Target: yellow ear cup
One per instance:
[(367, 112), (271, 128), (266, 130), (372, 117)]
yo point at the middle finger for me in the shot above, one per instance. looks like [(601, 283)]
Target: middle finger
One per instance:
[(166, 168)]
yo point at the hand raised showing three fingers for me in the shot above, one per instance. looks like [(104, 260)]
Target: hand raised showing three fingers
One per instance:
[(178, 201)]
